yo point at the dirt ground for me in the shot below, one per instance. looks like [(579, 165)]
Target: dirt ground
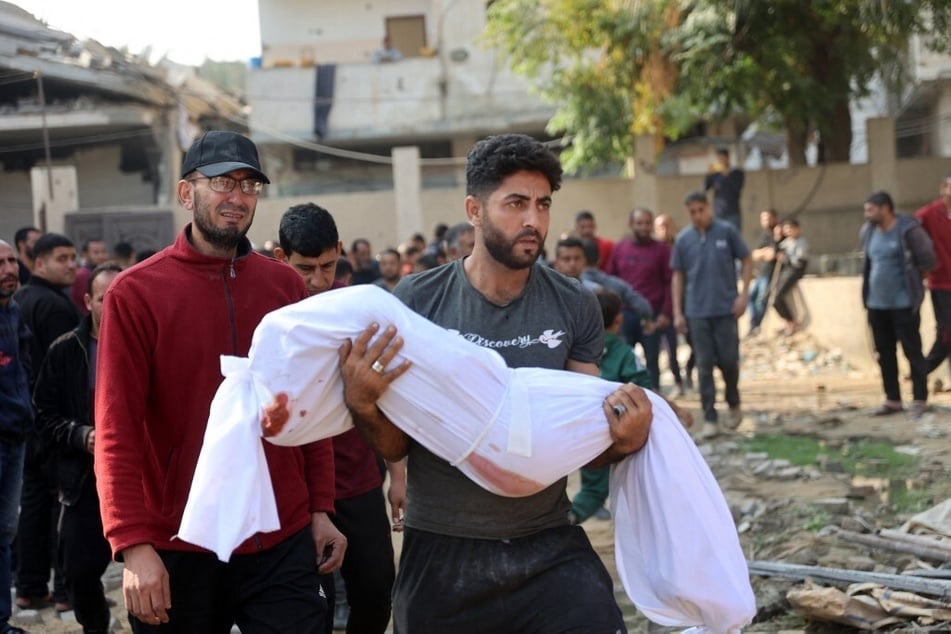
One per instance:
[(822, 398), (791, 387)]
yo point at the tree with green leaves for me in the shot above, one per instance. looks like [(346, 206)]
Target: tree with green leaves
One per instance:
[(616, 69)]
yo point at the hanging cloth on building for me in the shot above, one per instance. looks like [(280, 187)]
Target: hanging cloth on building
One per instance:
[(323, 98)]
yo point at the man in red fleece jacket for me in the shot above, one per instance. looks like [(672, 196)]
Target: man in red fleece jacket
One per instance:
[(935, 217), (166, 321)]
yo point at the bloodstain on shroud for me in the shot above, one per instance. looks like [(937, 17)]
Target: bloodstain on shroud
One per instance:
[(276, 416)]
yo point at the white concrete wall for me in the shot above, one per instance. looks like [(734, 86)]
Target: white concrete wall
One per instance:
[(55, 193), (393, 100), (837, 319), (372, 215), (926, 64), (16, 203), (941, 132), (831, 223), (331, 31), (99, 184), (481, 95)]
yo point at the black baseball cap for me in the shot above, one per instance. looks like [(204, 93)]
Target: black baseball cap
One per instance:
[(218, 152)]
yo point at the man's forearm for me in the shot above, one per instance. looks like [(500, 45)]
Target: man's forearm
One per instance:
[(607, 458), (747, 274), (677, 293), (386, 439)]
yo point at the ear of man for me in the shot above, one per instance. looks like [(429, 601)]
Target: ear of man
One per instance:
[(474, 210), (186, 194)]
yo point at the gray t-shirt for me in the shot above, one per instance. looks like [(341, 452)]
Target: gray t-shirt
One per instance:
[(554, 319), (708, 261), (887, 284)]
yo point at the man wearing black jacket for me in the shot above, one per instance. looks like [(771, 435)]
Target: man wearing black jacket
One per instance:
[(63, 401), (48, 313)]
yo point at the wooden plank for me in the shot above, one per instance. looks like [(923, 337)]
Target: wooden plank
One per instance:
[(933, 587), (921, 540), (874, 541)]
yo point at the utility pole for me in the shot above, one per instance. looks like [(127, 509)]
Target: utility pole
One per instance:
[(46, 148)]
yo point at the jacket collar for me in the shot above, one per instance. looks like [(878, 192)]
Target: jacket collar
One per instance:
[(42, 282), (84, 330), (183, 249)]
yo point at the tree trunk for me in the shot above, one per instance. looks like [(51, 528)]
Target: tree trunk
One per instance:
[(796, 138), (836, 135)]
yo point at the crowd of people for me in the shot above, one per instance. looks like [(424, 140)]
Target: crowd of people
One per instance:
[(109, 362)]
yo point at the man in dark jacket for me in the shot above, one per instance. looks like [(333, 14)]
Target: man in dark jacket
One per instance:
[(48, 313), (63, 400), (727, 185), (16, 416), (898, 252), (23, 241)]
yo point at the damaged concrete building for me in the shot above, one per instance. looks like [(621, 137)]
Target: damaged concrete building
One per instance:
[(91, 137)]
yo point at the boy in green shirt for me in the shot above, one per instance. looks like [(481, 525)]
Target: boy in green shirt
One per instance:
[(618, 363)]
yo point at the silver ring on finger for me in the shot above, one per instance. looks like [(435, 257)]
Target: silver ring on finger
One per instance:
[(377, 367), (618, 410)]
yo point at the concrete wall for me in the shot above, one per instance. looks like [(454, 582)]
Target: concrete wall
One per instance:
[(339, 31), (832, 195), (404, 99), (369, 215), (17, 208), (461, 89), (830, 223), (838, 320), (827, 198), (100, 184), (303, 32), (372, 215)]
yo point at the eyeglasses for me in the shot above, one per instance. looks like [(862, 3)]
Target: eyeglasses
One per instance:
[(225, 184)]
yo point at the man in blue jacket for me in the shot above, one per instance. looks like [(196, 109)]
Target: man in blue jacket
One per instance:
[(48, 312), (898, 253), (16, 416)]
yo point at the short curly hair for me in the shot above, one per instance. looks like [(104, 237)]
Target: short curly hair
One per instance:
[(493, 159), (307, 229)]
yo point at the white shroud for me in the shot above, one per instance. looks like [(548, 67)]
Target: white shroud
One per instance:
[(512, 431)]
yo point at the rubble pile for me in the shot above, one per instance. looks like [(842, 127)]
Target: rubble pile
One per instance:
[(765, 356), (829, 558)]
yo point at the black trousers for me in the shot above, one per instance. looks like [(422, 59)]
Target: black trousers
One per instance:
[(784, 286), (84, 555), (548, 583), (669, 336), (368, 569), (36, 540), (634, 334), (716, 343), (941, 350), (889, 327), (274, 591)]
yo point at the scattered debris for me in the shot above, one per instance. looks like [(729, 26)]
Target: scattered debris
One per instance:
[(775, 356), (867, 606), (863, 595)]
